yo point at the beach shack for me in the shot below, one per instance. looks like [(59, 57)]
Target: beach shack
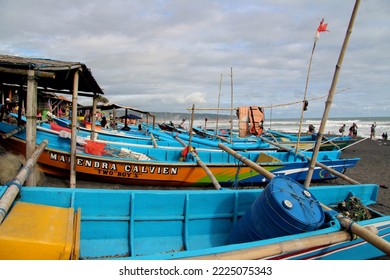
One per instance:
[(21, 78)]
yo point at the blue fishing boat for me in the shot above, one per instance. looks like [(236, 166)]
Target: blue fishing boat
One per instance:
[(284, 220), (115, 162), (85, 224), (306, 141)]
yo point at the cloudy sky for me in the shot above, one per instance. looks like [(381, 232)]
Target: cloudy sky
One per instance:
[(166, 55)]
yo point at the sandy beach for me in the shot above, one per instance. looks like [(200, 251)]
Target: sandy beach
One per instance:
[(373, 167)]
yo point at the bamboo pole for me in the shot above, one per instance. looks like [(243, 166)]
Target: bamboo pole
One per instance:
[(31, 119), (323, 166), (219, 98), (153, 140), (345, 222), (93, 117), (285, 247), (38, 73), (207, 170), (247, 161), (329, 101), (326, 142), (191, 124), (13, 132), (231, 104), (361, 140), (13, 189), (73, 143), (304, 97), (201, 164)]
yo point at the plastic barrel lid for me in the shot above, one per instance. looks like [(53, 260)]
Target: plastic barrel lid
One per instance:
[(292, 201)]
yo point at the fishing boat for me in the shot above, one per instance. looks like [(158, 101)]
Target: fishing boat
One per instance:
[(306, 142), (85, 224), (284, 220), (115, 162), (204, 138)]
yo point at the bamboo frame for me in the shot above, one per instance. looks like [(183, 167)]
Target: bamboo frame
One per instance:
[(285, 247)]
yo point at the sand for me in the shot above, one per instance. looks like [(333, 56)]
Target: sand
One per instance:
[(373, 167)]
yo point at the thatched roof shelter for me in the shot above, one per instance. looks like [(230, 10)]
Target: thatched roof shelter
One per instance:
[(50, 75), (53, 74)]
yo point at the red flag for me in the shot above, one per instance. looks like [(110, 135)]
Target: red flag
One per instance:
[(322, 27)]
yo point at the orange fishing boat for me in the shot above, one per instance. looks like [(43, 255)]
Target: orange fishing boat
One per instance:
[(114, 162)]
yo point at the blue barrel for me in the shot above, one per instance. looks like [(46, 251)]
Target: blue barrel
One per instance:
[(285, 207)]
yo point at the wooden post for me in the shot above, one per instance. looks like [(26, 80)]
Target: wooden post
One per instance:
[(73, 142), (191, 125), (93, 119), (31, 123)]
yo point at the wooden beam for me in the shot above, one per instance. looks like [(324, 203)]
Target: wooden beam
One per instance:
[(38, 73)]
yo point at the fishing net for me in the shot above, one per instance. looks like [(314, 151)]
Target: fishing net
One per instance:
[(353, 208)]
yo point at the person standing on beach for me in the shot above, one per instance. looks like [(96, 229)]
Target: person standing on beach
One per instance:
[(342, 129), (353, 130), (372, 135), (311, 129)]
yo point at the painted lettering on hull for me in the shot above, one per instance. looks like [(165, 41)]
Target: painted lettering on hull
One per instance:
[(108, 168)]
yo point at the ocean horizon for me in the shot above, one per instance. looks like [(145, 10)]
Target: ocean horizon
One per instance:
[(293, 124)]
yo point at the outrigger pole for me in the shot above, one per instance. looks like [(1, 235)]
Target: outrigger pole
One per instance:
[(329, 101)]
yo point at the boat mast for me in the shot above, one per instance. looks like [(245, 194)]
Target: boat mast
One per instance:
[(231, 104), (219, 98), (304, 102), (329, 101)]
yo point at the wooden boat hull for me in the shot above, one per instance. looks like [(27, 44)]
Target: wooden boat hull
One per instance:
[(173, 224), (148, 173)]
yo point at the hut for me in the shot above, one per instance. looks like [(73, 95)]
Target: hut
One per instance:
[(21, 79)]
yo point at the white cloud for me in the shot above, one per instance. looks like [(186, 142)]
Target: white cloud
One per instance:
[(175, 51)]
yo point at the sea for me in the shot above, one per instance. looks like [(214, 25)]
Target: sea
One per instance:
[(332, 125)]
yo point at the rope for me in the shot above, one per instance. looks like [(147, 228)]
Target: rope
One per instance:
[(300, 102), (14, 184), (235, 183), (308, 214)]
